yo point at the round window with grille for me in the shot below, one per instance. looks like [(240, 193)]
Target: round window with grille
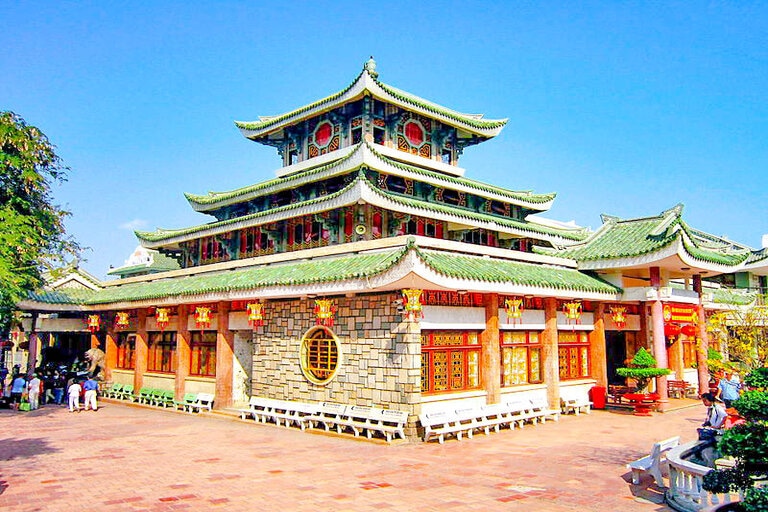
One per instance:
[(320, 355)]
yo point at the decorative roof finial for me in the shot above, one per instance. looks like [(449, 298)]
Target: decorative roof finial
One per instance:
[(370, 67)]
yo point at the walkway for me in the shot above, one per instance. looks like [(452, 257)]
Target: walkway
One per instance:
[(127, 458)]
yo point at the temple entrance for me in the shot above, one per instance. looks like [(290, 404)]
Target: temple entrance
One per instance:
[(615, 355)]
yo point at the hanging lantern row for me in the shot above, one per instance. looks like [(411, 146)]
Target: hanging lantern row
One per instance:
[(202, 317), (161, 318), (325, 310), (619, 317), (94, 322), (412, 299), (572, 312), (255, 314), (514, 308)]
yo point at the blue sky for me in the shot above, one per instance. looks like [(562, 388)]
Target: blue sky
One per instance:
[(626, 108)]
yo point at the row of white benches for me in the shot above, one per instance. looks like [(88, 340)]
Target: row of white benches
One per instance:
[(329, 415), (459, 422)]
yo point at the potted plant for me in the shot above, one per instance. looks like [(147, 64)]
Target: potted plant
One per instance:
[(642, 369), (747, 443)]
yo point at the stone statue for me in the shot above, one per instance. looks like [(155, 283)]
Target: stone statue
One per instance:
[(96, 364)]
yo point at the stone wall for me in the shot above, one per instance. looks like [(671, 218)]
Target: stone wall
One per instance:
[(380, 355)]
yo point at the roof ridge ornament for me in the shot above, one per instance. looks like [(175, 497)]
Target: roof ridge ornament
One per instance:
[(370, 67)]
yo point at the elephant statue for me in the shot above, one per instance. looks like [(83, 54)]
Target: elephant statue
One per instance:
[(96, 363)]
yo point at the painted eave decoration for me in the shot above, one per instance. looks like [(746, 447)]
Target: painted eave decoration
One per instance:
[(367, 82)]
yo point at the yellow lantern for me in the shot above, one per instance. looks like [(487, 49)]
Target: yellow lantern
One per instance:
[(325, 311), (94, 322), (572, 311), (413, 307), (122, 319), (514, 308), (618, 315), (161, 318), (255, 314)]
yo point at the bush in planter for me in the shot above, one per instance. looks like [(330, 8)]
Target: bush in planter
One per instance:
[(642, 369), (748, 444)]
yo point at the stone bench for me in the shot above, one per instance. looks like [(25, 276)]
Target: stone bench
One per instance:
[(653, 463)]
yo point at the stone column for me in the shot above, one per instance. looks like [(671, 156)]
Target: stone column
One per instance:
[(34, 346), (225, 355), (598, 365), (491, 358), (110, 353), (182, 353), (702, 347), (142, 350), (550, 359)]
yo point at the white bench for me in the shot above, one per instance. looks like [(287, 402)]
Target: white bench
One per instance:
[(653, 463), (281, 412), (574, 400), (522, 412), (202, 401), (441, 423), (540, 409), (387, 422)]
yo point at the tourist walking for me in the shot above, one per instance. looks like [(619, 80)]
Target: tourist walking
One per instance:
[(74, 396), (59, 383), (728, 389), (33, 392), (91, 388)]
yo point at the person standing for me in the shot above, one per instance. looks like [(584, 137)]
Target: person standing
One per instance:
[(728, 389), (91, 388), (17, 389), (74, 396), (59, 382), (33, 392)]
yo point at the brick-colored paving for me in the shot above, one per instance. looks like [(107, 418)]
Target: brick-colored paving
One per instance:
[(126, 458)]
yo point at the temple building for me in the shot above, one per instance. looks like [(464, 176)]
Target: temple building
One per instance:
[(371, 271)]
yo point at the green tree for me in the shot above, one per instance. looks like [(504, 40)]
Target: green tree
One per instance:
[(642, 369), (32, 234), (743, 333)]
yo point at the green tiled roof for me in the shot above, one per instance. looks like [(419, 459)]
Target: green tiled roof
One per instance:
[(534, 229), (514, 272), (630, 238), (332, 269), (734, 297), (466, 120), (160, 263), (284, 183), (321, 270)]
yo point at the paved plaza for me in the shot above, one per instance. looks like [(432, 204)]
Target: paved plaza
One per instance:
[(130, 458)]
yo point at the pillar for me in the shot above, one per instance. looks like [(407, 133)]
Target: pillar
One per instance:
[(142, 350), (551, 362), (183, 353), (34, 346), (95, 343), (598, 365), (659, 349), (491, 359), (110, 353), (225, 357), (702, 345)]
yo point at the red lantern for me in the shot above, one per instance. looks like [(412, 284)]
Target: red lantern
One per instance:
[(689, 330), (161, 318), (619, 317), (412, 299), (255, 314), (202, 317), (325, 311), (94, 322), (671, 330), (122, 319)]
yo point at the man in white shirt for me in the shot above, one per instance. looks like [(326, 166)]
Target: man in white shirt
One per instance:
[(715, 412)]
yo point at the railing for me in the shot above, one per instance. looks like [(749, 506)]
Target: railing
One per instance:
[(685, 491)]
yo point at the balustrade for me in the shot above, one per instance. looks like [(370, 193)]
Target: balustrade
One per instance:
[(685, 491)]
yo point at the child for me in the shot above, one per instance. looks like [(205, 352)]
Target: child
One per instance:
[(74, 396)]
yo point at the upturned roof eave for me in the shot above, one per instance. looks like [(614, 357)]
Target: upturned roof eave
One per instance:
[(366, 84), (357, 190), (349, 161)]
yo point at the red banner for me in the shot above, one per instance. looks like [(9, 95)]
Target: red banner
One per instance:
[(685, 313)]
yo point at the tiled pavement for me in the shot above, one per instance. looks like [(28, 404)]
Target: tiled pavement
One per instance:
[(127, 458)]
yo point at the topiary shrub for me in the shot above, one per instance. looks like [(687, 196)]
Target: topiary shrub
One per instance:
[(748, 444), (642, 369)]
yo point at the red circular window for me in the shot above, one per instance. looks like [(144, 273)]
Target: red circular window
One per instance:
[(323, 134), (414, 133)]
